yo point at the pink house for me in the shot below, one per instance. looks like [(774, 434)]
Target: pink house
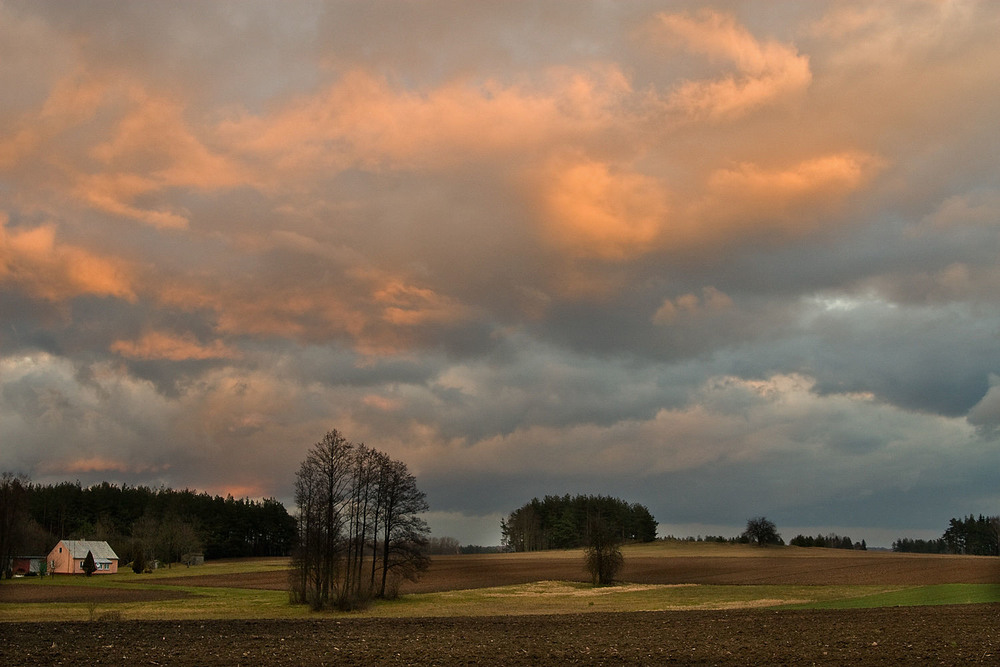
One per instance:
[(67, 557)]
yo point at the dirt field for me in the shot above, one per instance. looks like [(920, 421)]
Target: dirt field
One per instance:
[(55, 593), (965, 635), (961, 634), (832, 568)]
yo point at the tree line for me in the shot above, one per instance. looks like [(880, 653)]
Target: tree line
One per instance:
[(974, 536), (828, 541), (140, 523), (359, 530), (565, 522)]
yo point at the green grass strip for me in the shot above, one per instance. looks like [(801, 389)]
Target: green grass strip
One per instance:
[(935, 594)]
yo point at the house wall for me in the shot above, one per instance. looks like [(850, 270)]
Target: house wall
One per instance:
[(61, 561)]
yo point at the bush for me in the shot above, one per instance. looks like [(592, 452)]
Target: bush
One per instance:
[(603, 556)]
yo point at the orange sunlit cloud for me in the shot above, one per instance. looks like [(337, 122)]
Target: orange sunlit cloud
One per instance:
[(38, 264), (765, 72), (591, 210), (363, 120), (407, 305), (154, 136), (159, 345), (100, 464), (152, 149), (749, 199), (371, 309)]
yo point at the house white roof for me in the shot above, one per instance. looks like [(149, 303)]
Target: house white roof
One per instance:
[(79, 548)]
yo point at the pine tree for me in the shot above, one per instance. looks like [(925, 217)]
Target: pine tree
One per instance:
[(89, 566)]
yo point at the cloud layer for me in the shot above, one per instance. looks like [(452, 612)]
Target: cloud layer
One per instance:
[(719, 258)]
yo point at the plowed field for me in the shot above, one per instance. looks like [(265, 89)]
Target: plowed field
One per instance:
[(832, 568), (958, 635)]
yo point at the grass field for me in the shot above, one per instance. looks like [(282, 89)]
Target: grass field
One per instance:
[(657, 577)]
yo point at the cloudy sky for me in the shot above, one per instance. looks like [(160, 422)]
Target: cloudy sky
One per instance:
[(720, 258)]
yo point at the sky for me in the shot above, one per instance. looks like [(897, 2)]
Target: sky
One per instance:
[(724, 259)]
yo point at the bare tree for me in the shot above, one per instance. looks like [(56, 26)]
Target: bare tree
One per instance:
[(143, 543), (176, 538), (321, 489), (603, 555), (404, 534)]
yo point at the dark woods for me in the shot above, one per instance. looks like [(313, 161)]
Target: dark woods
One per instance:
[(143, 524), (971, 535), (359, 533), (564, 522)]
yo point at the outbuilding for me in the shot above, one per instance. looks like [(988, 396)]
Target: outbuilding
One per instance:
[(27, 564)]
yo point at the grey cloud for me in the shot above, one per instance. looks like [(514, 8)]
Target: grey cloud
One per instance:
[(826, 359)]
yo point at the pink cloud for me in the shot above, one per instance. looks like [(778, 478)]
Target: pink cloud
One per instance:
[(765, 72), (364, 120), (591, 209), (787, 200), (158, 345), (38, 264), (98, 464)]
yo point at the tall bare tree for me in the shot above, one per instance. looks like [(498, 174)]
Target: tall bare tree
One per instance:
[(321, 490), (404, 533), (357, 507)]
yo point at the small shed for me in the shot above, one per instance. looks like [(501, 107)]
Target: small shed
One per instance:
[(27, 564), (67, 557), (193, 559)]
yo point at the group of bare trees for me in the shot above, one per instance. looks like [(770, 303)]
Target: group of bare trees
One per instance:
[(359, 530)]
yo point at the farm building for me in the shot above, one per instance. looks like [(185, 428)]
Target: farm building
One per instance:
[(67, 557), (27, 564)]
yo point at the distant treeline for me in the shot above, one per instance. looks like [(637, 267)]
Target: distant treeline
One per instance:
[(441, 546), (975, 536), (565, 522), (720, 539), (164, 524), (910, 545), (830, 541)]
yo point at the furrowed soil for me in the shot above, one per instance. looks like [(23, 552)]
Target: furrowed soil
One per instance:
[(952, 635)]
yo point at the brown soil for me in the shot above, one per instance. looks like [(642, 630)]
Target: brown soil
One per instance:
[(967, 634), (483, 570), (55, 593), (276, 580)]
